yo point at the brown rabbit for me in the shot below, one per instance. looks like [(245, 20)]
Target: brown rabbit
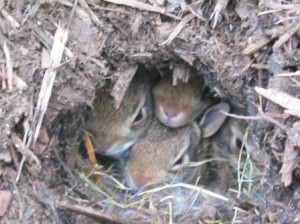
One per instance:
[(114, 131), (176, 106), (163, 154)]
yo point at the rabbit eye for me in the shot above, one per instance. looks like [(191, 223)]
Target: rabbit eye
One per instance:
[(238, 143), (140, 116)]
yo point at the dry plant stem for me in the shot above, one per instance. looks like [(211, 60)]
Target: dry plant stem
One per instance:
[(143, 6), (279, 7), (24, 150), (60, 39), (9, 66), (72, 14), (93, 17), (254, 47), (242, 117), (138, 5), (297, 73), (92, 157), (118, 183), (14, 23), (286, 101), (187, 186), (120, 87), (221, 5), (178, 29), (289, 32), (48, 41), (79, 11), (89, 212), (268, 118), (196, 14), (290, 158)]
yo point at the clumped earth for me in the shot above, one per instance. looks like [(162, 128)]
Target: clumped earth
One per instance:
[(236, 46)]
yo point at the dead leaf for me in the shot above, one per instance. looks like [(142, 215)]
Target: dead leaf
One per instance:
[(280, 98), (121, 86), (5, 198), (290, 161)]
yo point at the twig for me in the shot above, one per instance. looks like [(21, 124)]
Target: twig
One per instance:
[(143, 6), (90, 212), (264, 116), (289, 32), (120, 87), (93, 17), (284, 100), (60, 39), (9, 66), (178, 29), (13, 22), (187, 186), (242, 117), (297, 73), (254, 47), (138, 5)]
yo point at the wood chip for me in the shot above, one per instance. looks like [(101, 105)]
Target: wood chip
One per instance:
[(289, 32), (9, 66), (121, 86), (5, 199), (178, 29), (138, 5), (290, 161), (254, 47), (60, 39), (286, 101), (180, 73), (90, 212), (220, 6)]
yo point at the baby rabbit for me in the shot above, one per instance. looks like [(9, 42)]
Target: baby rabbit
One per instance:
[(114, 131), (163, 155), (226, 145), (175, 106)]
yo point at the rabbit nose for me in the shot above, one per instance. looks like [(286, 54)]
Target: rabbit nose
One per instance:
[(170, 111)]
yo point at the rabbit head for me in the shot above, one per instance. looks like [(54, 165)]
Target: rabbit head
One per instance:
[(163, 155), (115, 130), (175, 106)]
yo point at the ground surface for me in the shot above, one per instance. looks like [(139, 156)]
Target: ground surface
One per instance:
[(234, 45)]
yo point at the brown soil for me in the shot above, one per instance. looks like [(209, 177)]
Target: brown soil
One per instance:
[(234, 45)]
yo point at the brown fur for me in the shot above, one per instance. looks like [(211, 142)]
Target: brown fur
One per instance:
[(186, 98), (110, 126)]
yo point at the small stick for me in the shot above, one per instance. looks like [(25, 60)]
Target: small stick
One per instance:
[(289, 32), (92, 15), (13, 22), (90, 212), (297, 73), (178, 28), (60, 39), (187, 186), (284, 100), (9, 66), (138, 5)]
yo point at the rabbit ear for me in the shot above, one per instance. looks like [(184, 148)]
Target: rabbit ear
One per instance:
[(213, 119)]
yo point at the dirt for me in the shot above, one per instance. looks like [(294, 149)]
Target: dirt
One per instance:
[(234, 45)]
